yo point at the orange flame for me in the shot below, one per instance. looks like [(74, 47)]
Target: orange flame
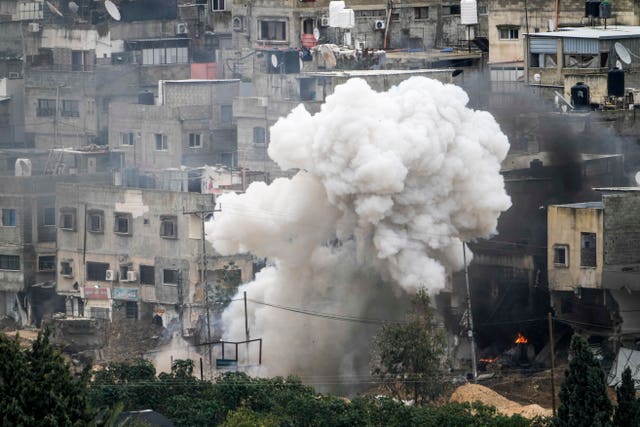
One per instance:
[(521, 339), (489, 360)]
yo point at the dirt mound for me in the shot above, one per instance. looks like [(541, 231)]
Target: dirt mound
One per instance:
[(475, 392)]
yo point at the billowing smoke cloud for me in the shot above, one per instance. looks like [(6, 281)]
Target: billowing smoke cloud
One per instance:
[(389, 185)]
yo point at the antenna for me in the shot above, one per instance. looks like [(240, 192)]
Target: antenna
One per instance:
[(53, 9), (623, 53), (73, 7), (112, 10)]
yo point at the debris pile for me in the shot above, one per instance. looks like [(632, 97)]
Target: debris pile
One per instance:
[(475, 392)]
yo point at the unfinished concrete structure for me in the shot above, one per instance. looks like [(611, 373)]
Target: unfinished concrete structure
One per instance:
[(133, 253)]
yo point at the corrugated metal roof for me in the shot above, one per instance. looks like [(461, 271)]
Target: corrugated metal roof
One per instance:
[(543, 45), (612, 32), (578, 45)]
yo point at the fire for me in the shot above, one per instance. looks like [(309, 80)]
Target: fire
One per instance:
[(521, 339), (489, 360)]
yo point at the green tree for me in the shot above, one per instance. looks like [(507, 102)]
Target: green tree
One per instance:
[(408, 357), (37, 387), (628, 410), (583, 393)]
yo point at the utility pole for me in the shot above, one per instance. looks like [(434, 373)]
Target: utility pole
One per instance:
[(553, 364), (203, 212), (474, 365), (246, 318)]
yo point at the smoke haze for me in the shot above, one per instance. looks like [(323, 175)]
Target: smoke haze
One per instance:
[(388, 186)]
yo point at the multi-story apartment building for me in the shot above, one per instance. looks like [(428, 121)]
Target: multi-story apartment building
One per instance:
[(137, 253), (191, 124)]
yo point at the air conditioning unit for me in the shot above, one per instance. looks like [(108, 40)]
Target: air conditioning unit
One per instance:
[(379, 24), (111, 276), (324, 21), (34, 27), (132, 276), (14, 75), (181, 28)]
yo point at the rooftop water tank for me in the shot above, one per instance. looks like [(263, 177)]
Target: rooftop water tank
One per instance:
[(580, 96), (615, 82), (592, 8), (468, 12), (605, 9)]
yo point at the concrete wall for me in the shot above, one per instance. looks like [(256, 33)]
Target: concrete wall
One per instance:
[(144, 246), (564, 227)]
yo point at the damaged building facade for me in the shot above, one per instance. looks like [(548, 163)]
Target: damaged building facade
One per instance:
[(134, 253)]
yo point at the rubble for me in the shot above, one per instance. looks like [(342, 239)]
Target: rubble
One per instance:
[(476, 392)]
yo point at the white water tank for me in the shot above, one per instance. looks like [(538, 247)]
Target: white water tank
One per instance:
[(23, 167), (468, 12)]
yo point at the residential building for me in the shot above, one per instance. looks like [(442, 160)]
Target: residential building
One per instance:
[(191, 125), (593, 264), (137, 253), (28, 244), (11, 113)]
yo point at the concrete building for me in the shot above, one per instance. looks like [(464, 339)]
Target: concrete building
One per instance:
[(593, 265), (511, 20), (28, 244), (133, 253), (11, 113), (560, 59), (190, 125)]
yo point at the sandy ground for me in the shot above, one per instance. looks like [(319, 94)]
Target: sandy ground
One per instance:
[(477, 392)]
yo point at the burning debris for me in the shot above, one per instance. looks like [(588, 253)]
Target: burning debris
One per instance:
[(397, 180), (521, 339)]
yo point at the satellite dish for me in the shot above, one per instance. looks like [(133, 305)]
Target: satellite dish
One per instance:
[(73, 7), (112, 10), (53, 9), (316, 33), (537, 77), (274, 60), (623, 53), (638, 178)]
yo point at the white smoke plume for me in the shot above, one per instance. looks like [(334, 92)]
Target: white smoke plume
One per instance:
[(395, 180)]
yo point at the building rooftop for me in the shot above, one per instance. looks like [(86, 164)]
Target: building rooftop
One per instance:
[(582, 205), (612, 32), (523, 160), (369, 73)]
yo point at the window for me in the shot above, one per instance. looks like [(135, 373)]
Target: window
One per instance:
[(122, 223), (226, 113), (70, 108), (217, 5), (227, 159), (170, 277), (100, 313), (272, 30), (49, 217), (124, 269), (420, 12), (508, 33), (259, 135), (587, 249), (46, 107), (66, 268), (131, 309), (161, 142), (47, 263), (8, 217), (147, 275), (68, 219), (195, 140), (126, 138), (169, 227), (95, 221), (9, 262), (97, 271), (165, 55), (561, 255), (453, 9), (482, 10)]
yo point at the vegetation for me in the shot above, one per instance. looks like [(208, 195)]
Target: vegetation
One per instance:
[(408, 357), (583, 394), (37, 388), (628, 410)]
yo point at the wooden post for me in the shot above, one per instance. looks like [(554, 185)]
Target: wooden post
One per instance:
[(553, 365)]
